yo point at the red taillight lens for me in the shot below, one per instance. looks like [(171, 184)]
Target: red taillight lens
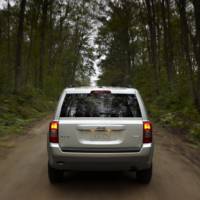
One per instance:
[(53, 131), (147, 132)]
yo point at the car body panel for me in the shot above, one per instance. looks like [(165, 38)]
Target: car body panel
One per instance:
[(100, 143), (100, 132), (90, 161)]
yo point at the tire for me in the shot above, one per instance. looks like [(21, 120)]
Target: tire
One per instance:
[(55, 176), (144, 176)]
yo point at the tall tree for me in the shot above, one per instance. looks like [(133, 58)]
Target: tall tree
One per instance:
[(18, 57), (117, 36), (8, 24), (151, 15), (43, 30), (185, 41), (196, 4), (168, 43)]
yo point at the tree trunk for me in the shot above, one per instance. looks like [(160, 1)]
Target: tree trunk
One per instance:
[(8, 21), (168, 44), (51, 59), (159, 41), (181, 4), (30, 48), (153, 44), (197, 52), (42, 42), (20, 33), (1, 24)]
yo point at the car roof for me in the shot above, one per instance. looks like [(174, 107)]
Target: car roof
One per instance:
[(117, 90)]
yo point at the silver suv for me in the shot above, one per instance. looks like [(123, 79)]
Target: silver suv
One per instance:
[(100, 128)]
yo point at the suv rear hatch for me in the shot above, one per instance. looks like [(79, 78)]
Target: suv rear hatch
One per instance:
[(100, 121)]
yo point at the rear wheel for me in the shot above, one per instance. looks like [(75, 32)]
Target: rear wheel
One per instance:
[(144, 176), (55, 176)]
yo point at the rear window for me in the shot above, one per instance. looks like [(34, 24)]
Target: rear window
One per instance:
[(100, 105)]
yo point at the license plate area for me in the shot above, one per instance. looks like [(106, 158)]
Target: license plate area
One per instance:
[(98, 136)]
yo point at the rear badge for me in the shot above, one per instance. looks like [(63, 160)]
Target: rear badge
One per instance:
[(106, 132), (100, 129), (104, 129)]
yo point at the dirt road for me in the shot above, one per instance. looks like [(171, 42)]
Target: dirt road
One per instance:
[(23, 174)]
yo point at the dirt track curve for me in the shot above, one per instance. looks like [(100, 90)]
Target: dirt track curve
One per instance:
[(23, 174)]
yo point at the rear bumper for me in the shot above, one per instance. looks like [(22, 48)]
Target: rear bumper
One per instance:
[(87, 161)]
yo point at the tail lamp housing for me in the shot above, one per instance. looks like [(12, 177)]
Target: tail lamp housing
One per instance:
[(53, 132), (147, 132)]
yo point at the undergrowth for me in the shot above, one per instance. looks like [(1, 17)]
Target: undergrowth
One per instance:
[(17, 111)]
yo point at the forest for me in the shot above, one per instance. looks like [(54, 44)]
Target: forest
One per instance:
[(151, 45)]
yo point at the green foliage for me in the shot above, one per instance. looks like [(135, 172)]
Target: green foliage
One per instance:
[(56, 52), (195, 132), (184, 120), (64, 45), (19, 111), (114, 43), (146, 49)]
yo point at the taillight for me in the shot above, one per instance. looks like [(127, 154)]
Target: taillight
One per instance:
[(53, 131), (147, 132)]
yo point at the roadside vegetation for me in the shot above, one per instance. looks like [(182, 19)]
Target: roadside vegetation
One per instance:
[(17, 112), (45, 46), (154, 45)]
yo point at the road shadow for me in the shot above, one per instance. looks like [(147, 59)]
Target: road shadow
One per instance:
[(99, 181)]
